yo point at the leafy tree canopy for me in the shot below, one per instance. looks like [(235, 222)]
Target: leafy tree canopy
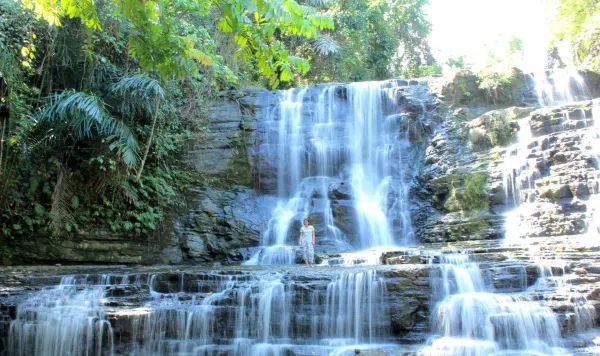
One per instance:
[(372, 40), (164, 38), (577, 24)]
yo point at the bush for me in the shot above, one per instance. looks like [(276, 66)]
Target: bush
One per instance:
[(423, 71), (476, 197), (479, 137), (468, 193), (501, 133)]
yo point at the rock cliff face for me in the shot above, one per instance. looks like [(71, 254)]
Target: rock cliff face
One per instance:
[(482, 161), (555, 187), (224, 224), (455, 169)]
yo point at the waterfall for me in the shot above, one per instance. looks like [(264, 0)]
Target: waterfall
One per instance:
[(524, 162), (339, 148), (213, 313), (473, 320), (246, 313), (559, 86), (370, 163), (356, 308), (64, 320)]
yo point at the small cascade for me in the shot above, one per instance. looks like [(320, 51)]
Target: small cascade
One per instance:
[(235, 317), (355, 309), (519, 171), (530, 169), (474, 319), (64, 320), (341, 154), (559, 86), (553, 278), (550, 174)]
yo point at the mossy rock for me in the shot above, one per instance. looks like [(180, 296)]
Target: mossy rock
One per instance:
[(462, 191)]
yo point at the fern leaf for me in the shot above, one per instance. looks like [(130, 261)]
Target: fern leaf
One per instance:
[(326, 45), (85, 116)]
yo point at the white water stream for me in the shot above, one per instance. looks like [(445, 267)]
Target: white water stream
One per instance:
[(350, 135)]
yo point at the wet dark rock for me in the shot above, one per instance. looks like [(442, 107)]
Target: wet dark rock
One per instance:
[(340, 191), (344, 215), (221, 223), (408, 308)]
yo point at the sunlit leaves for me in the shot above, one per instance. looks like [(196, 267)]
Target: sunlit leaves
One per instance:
[(161, 42), (53, 10), (49, 10), (300, 64), (200, 56), (259, 26), (577, 24)]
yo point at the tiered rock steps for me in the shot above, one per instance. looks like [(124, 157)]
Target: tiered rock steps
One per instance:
[(560, 173), (511, 270), (130, 291)]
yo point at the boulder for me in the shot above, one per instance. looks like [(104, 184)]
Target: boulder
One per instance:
[(340, 191)]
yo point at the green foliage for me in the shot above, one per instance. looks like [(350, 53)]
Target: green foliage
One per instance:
[(423, 71), (372, 40), (52, 11), (577, 23), (500, 131), (499, 70), (475, 197), (98, 98), (71, 129), (259, 25), (171, 38), (456, 62), (462, 85), (468, 192), (83, 116)]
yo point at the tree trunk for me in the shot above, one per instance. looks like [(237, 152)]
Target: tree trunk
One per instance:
[(149, 143)]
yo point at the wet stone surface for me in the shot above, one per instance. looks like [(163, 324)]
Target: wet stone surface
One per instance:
[(135, 298)]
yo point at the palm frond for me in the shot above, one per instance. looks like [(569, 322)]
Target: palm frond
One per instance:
[(141, 91), (325, 45), (85, 116)]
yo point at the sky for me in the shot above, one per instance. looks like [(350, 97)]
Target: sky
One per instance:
[(471, 27)]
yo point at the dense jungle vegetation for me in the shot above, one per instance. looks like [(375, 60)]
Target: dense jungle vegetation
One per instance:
[(98, 98)]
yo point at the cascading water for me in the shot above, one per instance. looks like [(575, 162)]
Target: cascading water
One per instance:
[(201, 324), (64, 320), (334, 148), (522, 166), (472, 318), (352, 137), (533, 173), (559, 86), (212, 313), (355, 308)]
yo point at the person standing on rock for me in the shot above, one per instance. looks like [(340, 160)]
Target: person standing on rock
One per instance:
[(307, 242)]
